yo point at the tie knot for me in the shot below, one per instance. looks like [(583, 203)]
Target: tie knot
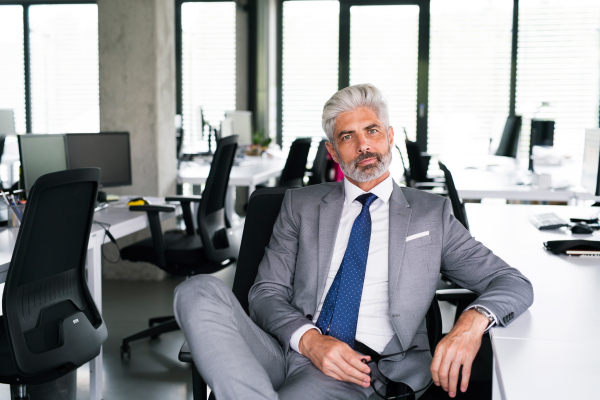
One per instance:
[(366, 199)]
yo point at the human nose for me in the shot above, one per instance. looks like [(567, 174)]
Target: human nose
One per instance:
[(363, 144)]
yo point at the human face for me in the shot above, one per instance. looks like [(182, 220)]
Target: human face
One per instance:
[(362, 147)]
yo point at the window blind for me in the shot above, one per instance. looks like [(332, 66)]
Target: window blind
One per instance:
[(12, 77), (208, 67), (558, 69), (384, 51), (310, 66), (64, 68), (469, 75)]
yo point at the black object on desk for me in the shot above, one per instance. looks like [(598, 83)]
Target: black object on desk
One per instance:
[(509, 143), (50, 324), (209, 249), (564, 246)]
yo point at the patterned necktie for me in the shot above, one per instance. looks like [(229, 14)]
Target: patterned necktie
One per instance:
[(339, 314)]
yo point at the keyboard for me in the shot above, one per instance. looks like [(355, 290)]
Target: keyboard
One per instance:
[(547, 221)]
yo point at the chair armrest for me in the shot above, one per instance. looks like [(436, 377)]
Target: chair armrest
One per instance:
[(149, 208), (184, 198), (186, 209), (184, 354), (155, 229)]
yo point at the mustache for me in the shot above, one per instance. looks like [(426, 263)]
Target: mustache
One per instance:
[(368, 154)]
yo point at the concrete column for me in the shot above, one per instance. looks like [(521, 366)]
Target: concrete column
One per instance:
[(137, 87)]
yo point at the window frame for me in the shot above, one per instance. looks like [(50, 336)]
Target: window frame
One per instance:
[(27, 49)]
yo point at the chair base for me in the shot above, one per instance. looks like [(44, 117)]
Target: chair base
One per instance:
[(158, 326)]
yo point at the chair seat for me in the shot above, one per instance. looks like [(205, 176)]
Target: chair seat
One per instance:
[(184, 254)]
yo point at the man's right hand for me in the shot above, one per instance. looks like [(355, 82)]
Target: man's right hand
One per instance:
[(335, 358)]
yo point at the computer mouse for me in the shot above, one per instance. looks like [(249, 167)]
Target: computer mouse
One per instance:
[(580, 228), (138, 201)]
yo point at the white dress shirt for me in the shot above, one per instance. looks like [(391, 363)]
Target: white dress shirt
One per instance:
[(374, 327)]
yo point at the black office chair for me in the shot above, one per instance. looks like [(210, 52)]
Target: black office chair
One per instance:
[(263, 209), (50, 324), (211, 248), (292, 174), (418, 164), (319, 167), (458, 207)]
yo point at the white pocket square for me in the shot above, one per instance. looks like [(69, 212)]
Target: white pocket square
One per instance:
[(417, 235)]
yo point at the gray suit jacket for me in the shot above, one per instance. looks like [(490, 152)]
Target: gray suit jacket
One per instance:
[(292, 275)]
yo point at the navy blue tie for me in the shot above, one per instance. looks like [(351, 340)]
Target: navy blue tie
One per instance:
[(339, 314)]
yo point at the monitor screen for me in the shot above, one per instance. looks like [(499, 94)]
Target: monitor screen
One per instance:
[(242, 125), (40, 155), (509, 143), (7, 121), (108, 151), (590, 175)]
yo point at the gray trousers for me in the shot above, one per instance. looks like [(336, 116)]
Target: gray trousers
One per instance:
[(238, 360)]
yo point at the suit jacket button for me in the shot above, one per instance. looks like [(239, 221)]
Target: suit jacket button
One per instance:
[(308, 316)]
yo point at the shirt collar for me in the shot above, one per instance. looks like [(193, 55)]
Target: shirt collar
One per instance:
[(383, 191)]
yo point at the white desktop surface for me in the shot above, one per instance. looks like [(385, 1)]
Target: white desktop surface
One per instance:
[(123, 222), (253, 172), (499, 177), (555, 340)]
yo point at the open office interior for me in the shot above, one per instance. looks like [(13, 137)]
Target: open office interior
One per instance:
[(494, 104)]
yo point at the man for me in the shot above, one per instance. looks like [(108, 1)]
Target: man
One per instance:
[(346, 280)]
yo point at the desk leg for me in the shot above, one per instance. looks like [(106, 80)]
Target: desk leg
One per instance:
[(94, 275), (496, 394)]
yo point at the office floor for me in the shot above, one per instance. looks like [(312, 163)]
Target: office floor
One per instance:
[(153, 372)]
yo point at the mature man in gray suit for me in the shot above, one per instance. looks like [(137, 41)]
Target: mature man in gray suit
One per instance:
[(338, 308)]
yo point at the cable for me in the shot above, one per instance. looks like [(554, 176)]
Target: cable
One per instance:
[(106, 228)]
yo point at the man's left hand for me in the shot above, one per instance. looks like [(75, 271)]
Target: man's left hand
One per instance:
[(458, 348)]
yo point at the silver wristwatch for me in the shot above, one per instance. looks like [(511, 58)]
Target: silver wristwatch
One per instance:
[(485, 313)]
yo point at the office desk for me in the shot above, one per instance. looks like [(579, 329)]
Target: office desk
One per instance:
[(500, 177), (258, 170), (552, 350), (123, 222)]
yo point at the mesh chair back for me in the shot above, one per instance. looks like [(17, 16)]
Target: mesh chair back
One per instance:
[(292, 174), (51, 319), (211, 213), (458, 208), (418, 172), (319, 165), (263, 209)]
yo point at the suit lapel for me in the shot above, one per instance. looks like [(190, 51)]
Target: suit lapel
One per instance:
[(330, 213), (400, 213)]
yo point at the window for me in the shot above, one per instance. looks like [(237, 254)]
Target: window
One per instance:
[(64, 68), (12, 76), (384, 51), (208, 67), (469, 74), (558, 69), (309, 66)]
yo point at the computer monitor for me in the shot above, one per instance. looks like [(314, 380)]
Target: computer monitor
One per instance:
[(590, 175), (242, 125), (7, 121), (109, 151), (40, 155), (542, 133), (509, 143), (226, 127)]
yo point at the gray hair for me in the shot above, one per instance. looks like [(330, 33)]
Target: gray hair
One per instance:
[(350, 98)]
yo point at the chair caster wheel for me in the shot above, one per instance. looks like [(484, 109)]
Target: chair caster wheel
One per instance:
[(125, 351)]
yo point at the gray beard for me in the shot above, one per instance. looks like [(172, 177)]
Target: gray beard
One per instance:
[(368, 172)]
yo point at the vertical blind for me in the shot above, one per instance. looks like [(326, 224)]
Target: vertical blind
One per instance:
[(12, 76), (558, 69), (469, 75), (384, 51), (310, 65), (64, 68), (208, 67)]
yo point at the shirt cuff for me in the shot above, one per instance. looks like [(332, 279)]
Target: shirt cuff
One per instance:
[(492, 323), (296, 336)]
